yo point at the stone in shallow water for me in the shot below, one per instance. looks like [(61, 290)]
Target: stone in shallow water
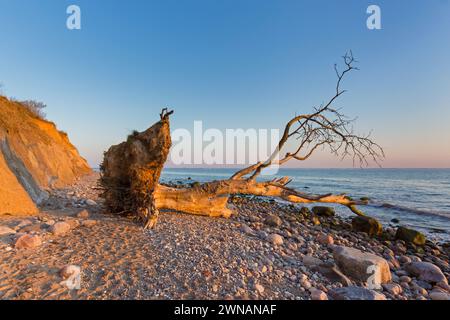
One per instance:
[(410, 236)]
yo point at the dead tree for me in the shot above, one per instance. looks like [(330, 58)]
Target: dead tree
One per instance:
[(130, 171), (325, 128)]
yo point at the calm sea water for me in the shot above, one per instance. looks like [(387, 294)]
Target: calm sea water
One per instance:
[(418, 198)]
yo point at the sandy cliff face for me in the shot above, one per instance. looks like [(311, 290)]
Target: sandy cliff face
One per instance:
[(34, 156)]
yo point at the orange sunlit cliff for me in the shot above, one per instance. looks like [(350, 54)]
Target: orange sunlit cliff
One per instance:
[(34, 156)]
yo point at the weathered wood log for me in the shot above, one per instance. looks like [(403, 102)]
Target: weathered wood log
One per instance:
[(130, 171), (210, 199)]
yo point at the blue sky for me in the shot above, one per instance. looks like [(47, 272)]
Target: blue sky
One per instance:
[(233, 64)]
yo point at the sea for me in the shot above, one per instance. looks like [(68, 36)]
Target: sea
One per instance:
[(416, 198)]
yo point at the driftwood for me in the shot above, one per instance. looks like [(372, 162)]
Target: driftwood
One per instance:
[(131, 170)]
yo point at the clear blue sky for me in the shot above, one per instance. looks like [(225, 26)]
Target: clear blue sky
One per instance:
[(230, 63)]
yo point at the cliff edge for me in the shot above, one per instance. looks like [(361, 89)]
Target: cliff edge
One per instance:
[(34, 157)]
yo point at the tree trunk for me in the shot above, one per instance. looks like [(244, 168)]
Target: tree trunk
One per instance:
[(210, 199)]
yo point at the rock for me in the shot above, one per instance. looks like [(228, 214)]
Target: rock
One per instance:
[(393, 288), (317, 294), (71, 275), (31, 228), (4, 231), (83, 214), (275, 239), (306, 284), (311, 261), (304, 211), (355, 293), (60, 228), (325, 239), (368, 225), (247, 230), (315, 220), (362, 266), (88, 223), (444, 286), (324, 211), (74, 223), (404, 259), (28, 241), (426, 271), (410, 236), (405, 279), (273, 221), (332, 273), (437, 295), (91, 202), (259, 288), (23, 223)]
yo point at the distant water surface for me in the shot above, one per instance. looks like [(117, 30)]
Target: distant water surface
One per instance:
[(418, 198)]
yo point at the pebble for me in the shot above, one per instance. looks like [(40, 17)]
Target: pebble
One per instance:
[(276, 239), (28, 241), (317, 294)]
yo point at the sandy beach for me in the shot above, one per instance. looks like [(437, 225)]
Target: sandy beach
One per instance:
[(195, 257)]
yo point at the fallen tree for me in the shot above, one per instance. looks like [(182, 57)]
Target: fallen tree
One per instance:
[(130, 171)]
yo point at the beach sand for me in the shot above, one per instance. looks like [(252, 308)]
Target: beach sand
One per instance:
[(195, 257)]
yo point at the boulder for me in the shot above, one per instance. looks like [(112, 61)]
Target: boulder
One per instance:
[(60, 228), (273, 221), (362, 266), (28, 241), (355, 293), (426, 271), (368, 225), (410, 236), (324, 211)]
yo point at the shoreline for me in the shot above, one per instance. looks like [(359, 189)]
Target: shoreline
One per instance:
[(196, 257)]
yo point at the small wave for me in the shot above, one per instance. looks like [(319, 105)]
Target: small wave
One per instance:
[(443, 214)]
